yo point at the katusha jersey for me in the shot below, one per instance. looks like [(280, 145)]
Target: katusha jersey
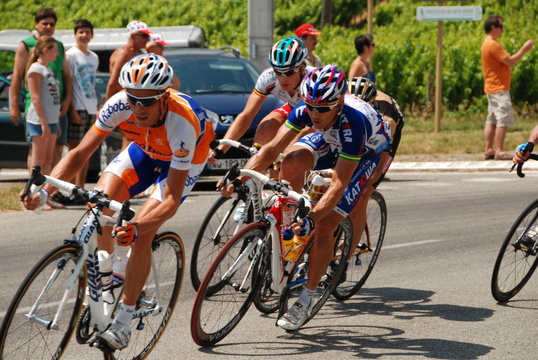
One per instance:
[(267, 84), (360, 129), (182, 137)]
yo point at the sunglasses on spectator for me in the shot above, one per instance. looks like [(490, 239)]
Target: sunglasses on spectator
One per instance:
[(286, 73), (321, 109), (143, 35), (144, 101), (500, 26)]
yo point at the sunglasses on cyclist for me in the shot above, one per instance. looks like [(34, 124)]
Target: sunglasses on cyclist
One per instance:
[(321, 109), (144, 101), (286, 73)]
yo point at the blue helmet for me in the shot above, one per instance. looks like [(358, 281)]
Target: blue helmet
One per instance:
[(324, 85), (288, 53)]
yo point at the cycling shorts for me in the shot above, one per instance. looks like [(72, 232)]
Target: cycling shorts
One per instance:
[(326, 157), (138, 171)]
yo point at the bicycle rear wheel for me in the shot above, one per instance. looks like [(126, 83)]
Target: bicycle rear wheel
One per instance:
[(218, 226), (299, 275), (517, 258), (165, 278), (364, 256), (31, 338), (228, 288)]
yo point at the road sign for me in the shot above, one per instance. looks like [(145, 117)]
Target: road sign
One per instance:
[(449, 13)]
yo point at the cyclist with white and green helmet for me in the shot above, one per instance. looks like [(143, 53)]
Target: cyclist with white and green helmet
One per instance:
[(288, 68)]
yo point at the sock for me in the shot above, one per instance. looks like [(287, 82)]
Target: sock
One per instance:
[(125, 314), (307, 296)]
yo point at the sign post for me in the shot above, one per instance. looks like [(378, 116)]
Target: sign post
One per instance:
[(440, 14)]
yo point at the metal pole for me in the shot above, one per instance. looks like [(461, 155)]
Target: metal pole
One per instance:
[(439, 76), (370, 11)]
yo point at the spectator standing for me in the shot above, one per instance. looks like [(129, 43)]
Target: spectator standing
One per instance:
[(309, 34), (44, 22), (138, 38), (496, 64), (83, 64), (362, 65), (156, 45), (44, 110)]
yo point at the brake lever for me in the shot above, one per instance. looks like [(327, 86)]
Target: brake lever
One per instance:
[(123, 212)]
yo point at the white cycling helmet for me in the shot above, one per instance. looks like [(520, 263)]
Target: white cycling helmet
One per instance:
[(146, 72)]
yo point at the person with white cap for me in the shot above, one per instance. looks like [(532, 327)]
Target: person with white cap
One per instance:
[(138, 37), (309, 34), (156, 45)]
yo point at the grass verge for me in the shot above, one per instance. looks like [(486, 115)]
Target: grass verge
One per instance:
[(9, 198)]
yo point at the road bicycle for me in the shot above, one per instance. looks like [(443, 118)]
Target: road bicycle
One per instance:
[(364, 256), (224, 219), (238, 271), (49, 304), (517, 259)]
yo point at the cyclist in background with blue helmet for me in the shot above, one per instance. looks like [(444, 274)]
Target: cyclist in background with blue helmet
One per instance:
[(350, 137), (288, 68)]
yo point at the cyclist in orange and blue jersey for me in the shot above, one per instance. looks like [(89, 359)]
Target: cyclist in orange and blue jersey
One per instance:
[(170, 136)]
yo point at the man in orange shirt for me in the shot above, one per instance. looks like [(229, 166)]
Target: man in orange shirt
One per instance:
[(496, 64)]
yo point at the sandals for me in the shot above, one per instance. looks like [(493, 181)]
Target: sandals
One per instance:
[(503, 156), (489, 156)]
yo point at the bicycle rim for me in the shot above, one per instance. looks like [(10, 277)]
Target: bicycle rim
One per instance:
[(23, 338), (516, 262), (267, 300), (218, 226), (299, 275), (216, 313), (169, 258), (364, 256)]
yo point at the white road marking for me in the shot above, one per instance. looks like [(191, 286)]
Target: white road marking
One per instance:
[(412, 244)]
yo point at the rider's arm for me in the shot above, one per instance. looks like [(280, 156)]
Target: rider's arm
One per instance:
[(242, 122), (21, 57), (342, 173)]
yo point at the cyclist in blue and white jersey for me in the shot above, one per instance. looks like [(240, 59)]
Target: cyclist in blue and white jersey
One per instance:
[(350, 137), (288, 68)]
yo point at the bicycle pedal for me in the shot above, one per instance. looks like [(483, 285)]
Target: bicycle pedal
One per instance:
[(140, 326)]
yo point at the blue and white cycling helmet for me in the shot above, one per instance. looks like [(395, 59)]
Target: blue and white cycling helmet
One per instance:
[(324, 85), (288, 53), (146, 72)]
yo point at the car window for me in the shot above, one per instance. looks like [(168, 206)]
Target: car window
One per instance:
[(4, 96), (202, 75)]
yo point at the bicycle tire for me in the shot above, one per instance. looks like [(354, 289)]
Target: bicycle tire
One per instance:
[(208, 242), (21, 337), (266, 300), (169, 257), (299, 274), (364, 257), (515, 263), (217, 312)]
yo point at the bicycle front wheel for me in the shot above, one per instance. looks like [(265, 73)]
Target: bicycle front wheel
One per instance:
[(158, 299), (229, 286), (28, 331), (517, 258), (299, 275), (364, 256), (218, 226)]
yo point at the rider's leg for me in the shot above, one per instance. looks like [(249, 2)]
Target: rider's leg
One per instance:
[(295, 164), (322, 249)]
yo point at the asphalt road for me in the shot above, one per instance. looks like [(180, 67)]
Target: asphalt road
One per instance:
[(427, 298)]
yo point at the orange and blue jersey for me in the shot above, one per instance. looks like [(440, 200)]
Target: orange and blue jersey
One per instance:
[(181, 138)]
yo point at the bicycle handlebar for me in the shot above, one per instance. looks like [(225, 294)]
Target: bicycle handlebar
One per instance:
[(236, 144), (520, 165), (37, 179)]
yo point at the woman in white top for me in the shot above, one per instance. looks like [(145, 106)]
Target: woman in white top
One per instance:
[(44, 112)]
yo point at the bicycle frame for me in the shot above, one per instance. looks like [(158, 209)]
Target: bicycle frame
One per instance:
[(87, 241)]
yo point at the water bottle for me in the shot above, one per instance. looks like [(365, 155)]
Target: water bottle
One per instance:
[(43, 197), (105, 268), (298, 244), (317, 187), (119, 269), (239, 212)]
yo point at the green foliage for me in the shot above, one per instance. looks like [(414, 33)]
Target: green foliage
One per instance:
[(406, 49)]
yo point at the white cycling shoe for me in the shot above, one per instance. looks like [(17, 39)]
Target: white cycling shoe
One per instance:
[(296, 316), (117, 336)]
